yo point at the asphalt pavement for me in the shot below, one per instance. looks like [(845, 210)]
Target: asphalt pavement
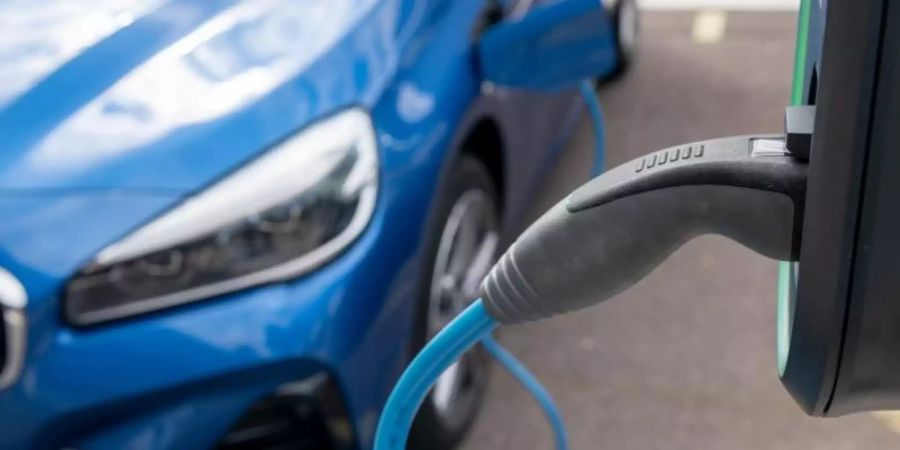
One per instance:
[(686, 359)]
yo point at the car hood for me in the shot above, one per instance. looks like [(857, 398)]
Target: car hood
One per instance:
[(169, 95)]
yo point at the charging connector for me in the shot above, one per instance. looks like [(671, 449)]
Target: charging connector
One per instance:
[(611, 232)]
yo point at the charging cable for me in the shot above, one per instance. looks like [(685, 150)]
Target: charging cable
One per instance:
[(470, 327), (504, 357), (595, 114), (530, 383)]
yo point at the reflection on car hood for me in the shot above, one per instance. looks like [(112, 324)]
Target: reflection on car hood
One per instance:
[(149, 94), (39, 37)]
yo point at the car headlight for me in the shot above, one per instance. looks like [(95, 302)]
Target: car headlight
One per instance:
[(283, 214)]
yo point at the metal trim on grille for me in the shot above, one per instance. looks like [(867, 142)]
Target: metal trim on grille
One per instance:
[(13, 300)]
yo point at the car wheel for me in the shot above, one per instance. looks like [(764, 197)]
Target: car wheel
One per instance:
[(626, 26), (462, 248)]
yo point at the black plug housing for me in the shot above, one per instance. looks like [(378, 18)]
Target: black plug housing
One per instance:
[(611, 232)]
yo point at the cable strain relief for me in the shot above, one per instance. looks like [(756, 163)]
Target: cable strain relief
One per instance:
[(507, 295)]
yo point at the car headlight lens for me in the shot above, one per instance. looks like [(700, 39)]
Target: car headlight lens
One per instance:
[(281, 215)]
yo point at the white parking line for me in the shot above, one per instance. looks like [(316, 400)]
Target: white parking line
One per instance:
[(709, 26), (731, 5), (890, 419)]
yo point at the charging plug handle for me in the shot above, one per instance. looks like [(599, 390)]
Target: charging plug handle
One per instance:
[(613, 231)]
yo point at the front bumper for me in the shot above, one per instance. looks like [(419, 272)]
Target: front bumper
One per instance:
[(181, 378)]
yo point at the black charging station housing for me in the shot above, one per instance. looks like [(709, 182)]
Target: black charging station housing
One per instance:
[(844, 352)]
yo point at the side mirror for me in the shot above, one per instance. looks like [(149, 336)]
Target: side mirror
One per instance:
[(550, 47)]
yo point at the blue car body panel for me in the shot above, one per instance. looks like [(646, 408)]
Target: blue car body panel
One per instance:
[(574, 31), (171, 96), (188, 91)]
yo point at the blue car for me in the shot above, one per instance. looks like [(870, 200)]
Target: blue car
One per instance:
[(230, 224)]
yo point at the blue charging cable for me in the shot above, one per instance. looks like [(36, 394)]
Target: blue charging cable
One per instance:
[(470, 327), (463, 332), (530, 383), (596, 116)]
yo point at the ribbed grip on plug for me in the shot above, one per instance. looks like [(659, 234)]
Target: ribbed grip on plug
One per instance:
[(511, 297)]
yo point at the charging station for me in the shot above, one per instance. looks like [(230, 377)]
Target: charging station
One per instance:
[(843, 348)]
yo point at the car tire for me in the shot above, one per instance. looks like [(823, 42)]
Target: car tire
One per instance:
[(467, 206), (626, 27)]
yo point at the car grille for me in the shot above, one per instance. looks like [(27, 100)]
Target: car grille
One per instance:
[(278, 423), (306, 415)]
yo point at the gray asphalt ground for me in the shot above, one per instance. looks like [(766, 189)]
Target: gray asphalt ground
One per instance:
[(686, 359)]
